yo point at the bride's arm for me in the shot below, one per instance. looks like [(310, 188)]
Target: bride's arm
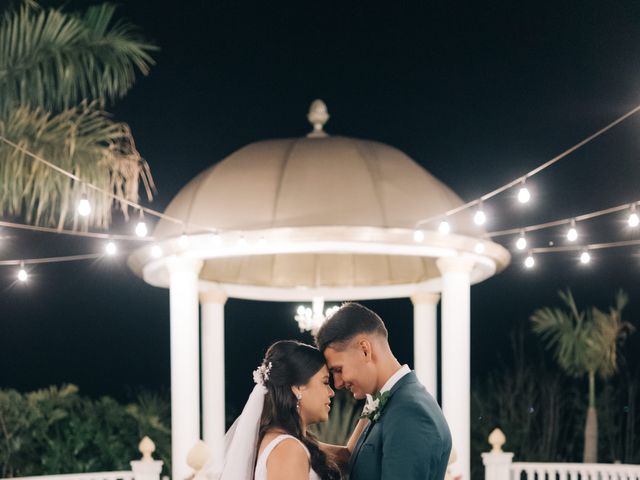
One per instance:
[(342, 453)]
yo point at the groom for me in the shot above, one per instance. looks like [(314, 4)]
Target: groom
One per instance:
[(407, 437)]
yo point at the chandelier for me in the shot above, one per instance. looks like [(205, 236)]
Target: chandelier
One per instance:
[(311, 319)]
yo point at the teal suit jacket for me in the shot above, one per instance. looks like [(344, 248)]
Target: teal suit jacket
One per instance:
[(410, 441)]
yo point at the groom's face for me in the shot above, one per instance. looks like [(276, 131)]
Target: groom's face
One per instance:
[(352, 369)]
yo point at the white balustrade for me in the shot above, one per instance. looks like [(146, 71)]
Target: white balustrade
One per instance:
[(144, 469), (499, 466)]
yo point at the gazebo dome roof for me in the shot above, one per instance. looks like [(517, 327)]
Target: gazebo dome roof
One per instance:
[(323, 215), (304, 182)]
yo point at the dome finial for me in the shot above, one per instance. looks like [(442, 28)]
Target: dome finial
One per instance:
[(317, 116)]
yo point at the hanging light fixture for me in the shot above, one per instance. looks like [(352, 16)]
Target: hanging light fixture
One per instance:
[(480, 217), (141, 227), (111, 248), (572, 233), (311, 319), (523, 194), (633, 219), (84, 207), (529, 262), (23, 276), (585, 257)]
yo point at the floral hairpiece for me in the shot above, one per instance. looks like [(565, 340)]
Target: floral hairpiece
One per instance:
[(261, 374)]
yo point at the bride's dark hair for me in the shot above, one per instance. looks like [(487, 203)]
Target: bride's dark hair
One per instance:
[(293, 363)]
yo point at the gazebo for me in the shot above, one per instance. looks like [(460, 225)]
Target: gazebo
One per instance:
[(315, 218)]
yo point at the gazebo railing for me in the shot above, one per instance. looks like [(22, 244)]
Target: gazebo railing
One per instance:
[(499, 466), (573, 471), (144, 469)]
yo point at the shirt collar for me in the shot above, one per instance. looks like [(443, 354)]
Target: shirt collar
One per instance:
[(395, 378)]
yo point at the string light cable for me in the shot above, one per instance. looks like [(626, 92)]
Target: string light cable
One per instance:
[(570, 220), (111, 195), (523, 178)]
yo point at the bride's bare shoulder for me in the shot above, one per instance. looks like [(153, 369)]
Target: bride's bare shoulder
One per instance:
[(289, 457)]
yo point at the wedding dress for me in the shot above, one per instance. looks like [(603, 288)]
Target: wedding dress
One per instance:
[(261, 464)]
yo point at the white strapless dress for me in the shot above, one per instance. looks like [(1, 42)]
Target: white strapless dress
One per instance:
[(261, 464)]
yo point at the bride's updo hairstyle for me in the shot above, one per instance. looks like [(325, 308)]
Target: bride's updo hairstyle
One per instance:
[(291, 363)]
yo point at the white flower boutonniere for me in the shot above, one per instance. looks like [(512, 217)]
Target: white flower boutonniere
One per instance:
[(374, 406)]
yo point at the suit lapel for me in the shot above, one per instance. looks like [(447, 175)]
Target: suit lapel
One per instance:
[(408, 378)]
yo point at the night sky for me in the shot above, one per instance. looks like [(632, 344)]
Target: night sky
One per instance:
[(478, 94)]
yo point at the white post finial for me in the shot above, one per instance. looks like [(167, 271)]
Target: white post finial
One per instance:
[(198, 456), (147, 468), (497, 440), (318, 115), (146, 448)]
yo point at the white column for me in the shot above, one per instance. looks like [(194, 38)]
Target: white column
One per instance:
[(185, 374), (425, 338), (213, 407), (456, 355)]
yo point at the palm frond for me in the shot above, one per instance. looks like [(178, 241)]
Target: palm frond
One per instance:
[(582, 341), (54, 60), (82, 140)]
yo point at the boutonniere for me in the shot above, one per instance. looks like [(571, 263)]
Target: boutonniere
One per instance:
[(374, 406)]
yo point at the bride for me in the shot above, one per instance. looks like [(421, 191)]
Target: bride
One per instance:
[(270, 440)]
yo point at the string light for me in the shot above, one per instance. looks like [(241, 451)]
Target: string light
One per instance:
[(572, 233), (23, 276), (479, 218), (141, 227), (521, 243), (633, 220), (418, 236), (183, 241), (585, 257), (111, 248), (444, 228), (523, 194), (84, 207), (529, 262)]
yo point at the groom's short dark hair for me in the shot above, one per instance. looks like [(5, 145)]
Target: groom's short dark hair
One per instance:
[(350, 320)]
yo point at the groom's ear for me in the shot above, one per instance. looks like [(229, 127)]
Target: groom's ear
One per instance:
[(364, 346)]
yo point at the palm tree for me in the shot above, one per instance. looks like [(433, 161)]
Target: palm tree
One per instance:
[(584, 343), (58, 71)]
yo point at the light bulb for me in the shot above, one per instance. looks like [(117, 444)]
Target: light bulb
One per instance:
[(216, 239), (444, 228), (111, 248), (183, 241), (300, 310), (633, 221), (141, 229), (479, 218), (262, 241), (523, 195), (22, 275), (572, 234), (418, 236), (521, 243), (585, 257), (84, 207), (529, 262), (156, 251), (242, 242), (479, 248)]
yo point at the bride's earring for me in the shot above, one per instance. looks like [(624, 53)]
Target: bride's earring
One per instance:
[(299, 397)]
